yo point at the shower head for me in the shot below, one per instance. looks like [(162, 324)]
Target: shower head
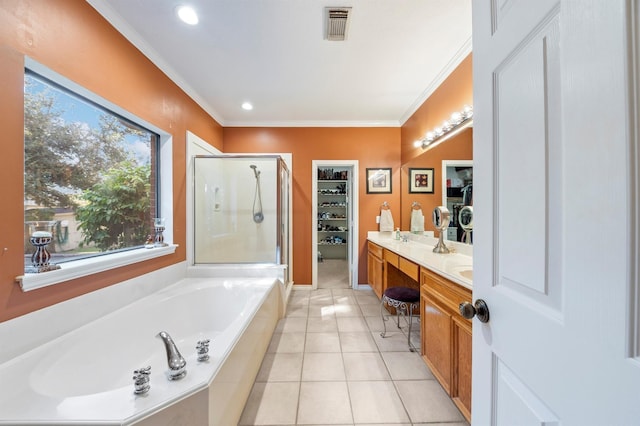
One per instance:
[(255, 170)]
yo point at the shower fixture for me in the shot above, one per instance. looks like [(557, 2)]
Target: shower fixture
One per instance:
[(258, 216)]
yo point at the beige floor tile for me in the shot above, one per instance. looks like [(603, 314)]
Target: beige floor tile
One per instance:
[(344, 299), (347, 310), (357, 342), (271, 404), (298, 300), (289, 325), (366, 297), (321, 310), (297, 311), (322, 367), (406, 366), (341, 292), (374, 323), (395, 341), (324, 403), (322, 324), (387, 424), (287, 342), (427, 402), (280, 367), (365, 366), (370, 310), (376, 402), (322, 342), (346, 324), (440, 424)]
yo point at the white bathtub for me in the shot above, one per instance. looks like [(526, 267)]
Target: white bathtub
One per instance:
[(85, 376)]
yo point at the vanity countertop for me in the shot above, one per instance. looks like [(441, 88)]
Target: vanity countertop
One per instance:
[(456, 266)]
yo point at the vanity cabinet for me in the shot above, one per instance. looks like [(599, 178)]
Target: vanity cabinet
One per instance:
[(446, 336), (375, 268)]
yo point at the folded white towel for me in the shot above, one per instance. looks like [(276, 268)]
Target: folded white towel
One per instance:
[(417, 221), (386, 221)]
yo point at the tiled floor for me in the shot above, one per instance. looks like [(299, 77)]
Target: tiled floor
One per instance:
[(328, 365), (333, 273)]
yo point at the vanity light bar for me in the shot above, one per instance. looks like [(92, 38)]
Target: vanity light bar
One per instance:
[(458, 121)]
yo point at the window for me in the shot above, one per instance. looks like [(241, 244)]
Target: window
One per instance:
[(91, 175)]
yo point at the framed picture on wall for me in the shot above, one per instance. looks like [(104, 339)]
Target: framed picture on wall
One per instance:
[(379, 181), (421, 181)]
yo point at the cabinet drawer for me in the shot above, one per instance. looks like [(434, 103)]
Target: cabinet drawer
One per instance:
[(448, 293), (409, 268), (391, 257), (375, 249)]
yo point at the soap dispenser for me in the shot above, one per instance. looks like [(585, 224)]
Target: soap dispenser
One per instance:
[(398, 234)]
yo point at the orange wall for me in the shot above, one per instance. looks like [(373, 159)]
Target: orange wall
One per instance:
[(372, 147), (71, 38), (455, 92)]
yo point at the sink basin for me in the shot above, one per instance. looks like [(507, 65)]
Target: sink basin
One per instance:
[(467, 273)]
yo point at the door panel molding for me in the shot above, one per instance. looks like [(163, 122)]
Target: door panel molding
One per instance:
[(634, 181), (529, 124), (515, 402)]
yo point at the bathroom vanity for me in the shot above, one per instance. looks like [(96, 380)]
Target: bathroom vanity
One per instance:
[(445, 281)]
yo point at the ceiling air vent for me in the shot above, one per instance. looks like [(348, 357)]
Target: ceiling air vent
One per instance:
[(337, 23)]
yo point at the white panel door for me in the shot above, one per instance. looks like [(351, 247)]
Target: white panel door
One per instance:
[(554, 212)]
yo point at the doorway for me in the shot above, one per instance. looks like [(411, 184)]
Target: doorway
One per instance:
[(334, 224)]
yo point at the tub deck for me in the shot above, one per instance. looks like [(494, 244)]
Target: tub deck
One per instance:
[(85, 376)]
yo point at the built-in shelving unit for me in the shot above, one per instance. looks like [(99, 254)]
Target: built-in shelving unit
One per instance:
[(333, 213)]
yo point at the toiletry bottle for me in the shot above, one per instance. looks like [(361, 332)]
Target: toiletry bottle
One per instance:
[(397, 233)]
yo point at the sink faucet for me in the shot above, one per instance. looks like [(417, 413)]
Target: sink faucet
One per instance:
[(177, 364)]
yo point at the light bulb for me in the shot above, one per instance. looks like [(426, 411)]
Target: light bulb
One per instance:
[(187, 14)]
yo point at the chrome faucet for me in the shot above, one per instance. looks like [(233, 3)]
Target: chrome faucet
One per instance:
[(177, 364)]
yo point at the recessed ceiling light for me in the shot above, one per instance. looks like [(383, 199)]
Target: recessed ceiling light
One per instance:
[(247, 106), (187, 14)]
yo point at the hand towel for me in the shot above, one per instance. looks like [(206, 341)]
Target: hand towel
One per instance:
[(386, 221), (417, 221)]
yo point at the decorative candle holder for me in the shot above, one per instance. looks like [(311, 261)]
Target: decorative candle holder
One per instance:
[(40, 237), (158, 224)]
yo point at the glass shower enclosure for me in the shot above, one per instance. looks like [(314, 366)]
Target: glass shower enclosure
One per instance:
[(241, 210)]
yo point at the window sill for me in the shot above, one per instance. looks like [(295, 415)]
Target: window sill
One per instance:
[(81, 268)]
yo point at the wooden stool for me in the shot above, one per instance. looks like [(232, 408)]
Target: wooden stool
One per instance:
[(403, 299)]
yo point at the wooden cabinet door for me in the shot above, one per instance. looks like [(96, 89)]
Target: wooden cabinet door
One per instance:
[(461, 383), (436, 340), (375, 273)]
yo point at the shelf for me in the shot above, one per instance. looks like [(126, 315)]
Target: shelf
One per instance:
[(332, 201)]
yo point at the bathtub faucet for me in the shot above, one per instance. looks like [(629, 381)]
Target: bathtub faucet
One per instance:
[(177, 364)]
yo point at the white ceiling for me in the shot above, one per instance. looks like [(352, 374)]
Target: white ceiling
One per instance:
[(272, 53)]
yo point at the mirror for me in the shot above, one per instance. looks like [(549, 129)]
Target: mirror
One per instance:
[(457, 192), (465, 219), (457, 150)]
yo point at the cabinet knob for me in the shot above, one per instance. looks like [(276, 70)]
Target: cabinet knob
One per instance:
[(479, 309)]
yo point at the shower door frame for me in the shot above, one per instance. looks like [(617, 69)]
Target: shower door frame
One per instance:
[(352, 202), (198, 146)]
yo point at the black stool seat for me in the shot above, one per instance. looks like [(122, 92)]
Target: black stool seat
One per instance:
[(403, 294)]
